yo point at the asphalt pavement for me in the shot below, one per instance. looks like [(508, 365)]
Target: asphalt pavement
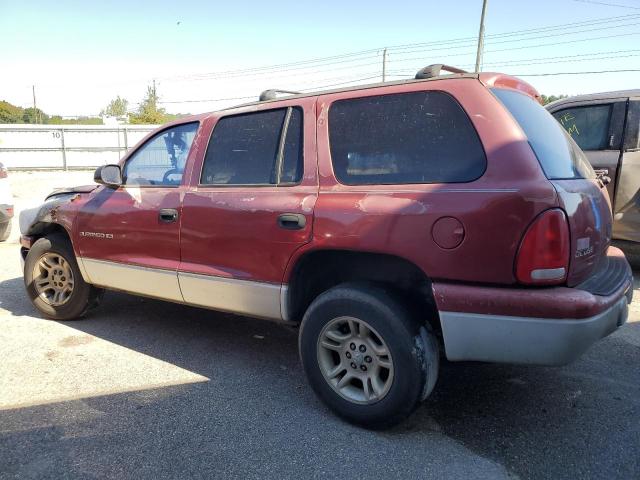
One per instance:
[(146, 389)]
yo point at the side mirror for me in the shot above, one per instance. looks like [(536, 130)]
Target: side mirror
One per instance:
[(108, 175)]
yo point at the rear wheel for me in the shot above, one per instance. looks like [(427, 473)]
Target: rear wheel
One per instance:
[(365, 355), (54, 282), (5, 230)]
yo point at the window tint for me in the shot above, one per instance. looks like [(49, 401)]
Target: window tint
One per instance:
[(588, 126), (421, 137), (292, 152), (244, 149), (557, 153), (162, 159)]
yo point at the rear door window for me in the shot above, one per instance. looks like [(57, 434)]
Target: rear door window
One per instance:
[(418, 137), (261, 148), (559, 156), (588, 126)]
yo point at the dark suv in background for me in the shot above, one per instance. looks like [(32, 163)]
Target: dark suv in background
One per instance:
[(606, 126)]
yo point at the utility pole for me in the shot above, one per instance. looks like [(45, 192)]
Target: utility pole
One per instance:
[(384, 64), (481, 37), (155, 98), (35, 109)]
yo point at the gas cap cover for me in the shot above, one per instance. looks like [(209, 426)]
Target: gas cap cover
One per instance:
[(447, 232)]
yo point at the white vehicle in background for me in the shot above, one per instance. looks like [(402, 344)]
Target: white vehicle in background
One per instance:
[(6, 204)]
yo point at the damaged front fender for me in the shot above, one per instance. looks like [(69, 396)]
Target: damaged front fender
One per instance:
[(57, 209)]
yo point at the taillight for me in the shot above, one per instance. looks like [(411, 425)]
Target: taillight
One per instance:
[(543, 256), (3, 172)]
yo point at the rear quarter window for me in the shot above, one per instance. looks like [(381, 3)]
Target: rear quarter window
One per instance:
[(418, 137), (559, 156)]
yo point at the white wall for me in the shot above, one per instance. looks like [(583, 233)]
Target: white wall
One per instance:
[(66, 146)]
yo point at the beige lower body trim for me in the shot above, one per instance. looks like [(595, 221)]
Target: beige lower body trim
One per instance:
[(151, 282), (256, 299)]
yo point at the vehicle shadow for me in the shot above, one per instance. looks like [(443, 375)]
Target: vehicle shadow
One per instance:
[(573, 421)]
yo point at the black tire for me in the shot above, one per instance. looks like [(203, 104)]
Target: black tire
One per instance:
[(5, 230), (83, 297), (413, 349)]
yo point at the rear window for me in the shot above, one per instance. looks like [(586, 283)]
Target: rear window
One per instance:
[(557, 153), (418, 137)]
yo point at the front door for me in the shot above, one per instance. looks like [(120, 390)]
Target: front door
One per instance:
[(597, 128), (128, 238), (250, 207)]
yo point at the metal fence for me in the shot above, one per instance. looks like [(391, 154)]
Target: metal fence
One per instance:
[(29, 147)]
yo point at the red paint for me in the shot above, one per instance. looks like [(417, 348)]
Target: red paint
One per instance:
[(548, 302), (448, 232), (232, 231)]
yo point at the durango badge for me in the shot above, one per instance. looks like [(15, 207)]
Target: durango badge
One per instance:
[(107, 236)]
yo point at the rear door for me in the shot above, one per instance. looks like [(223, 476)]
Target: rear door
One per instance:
[(250, 207), (597, 127)]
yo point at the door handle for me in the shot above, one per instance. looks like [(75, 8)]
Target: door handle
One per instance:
[(292, 221), (168, 215)]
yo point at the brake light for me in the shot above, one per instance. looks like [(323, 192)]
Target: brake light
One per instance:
[(543, 256)]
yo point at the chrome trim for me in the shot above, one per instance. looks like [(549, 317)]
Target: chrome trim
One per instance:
[(151, 282), (246, 297)]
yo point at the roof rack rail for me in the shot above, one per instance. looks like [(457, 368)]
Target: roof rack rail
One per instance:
[(272, 94), (434, 71)]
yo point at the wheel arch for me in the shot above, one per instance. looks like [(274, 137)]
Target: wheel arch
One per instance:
[(316, 271)]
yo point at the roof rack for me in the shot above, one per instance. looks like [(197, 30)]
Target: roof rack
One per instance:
[(272, 94), (434, 71)]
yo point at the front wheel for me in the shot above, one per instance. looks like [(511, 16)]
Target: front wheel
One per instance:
[(365, 355), (54, 282)]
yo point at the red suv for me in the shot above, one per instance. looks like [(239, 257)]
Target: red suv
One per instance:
[(392, 222)]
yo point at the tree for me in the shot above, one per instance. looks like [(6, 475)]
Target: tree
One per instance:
[(148, 112), (34, 115), (116, 108), (551, 98), (10, 113)]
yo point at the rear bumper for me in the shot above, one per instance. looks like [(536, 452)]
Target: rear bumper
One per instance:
[(527, 340), (543, 326)]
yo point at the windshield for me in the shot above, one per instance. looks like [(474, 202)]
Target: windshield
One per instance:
[(559, 156)]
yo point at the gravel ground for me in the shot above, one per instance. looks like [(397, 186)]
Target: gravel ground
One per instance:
[(146, 389)]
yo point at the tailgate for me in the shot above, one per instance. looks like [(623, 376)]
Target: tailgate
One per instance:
[(586, 204)]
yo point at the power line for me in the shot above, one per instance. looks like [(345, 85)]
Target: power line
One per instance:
[(471, 43), (353, 56), (607, 4), (525, 32), (312, 89), (239, 73), (577, 73), (556, 59), (540, 45)]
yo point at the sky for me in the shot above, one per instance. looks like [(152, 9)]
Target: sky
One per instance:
[(80, 55)]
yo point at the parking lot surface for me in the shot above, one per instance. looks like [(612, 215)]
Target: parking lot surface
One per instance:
[(146, 389)]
